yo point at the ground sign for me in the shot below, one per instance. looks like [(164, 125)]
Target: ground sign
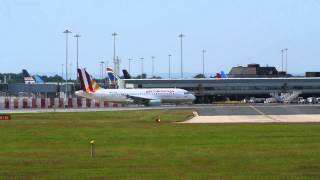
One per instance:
[(5, 116)]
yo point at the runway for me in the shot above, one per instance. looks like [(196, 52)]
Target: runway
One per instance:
[(257, 109), (259, 113)]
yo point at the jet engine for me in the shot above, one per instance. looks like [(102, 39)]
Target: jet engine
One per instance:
[(154, 102)]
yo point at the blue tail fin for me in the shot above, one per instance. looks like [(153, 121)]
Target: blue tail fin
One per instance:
[(112, 77), (223, 75), (25, 73), (38, 79)]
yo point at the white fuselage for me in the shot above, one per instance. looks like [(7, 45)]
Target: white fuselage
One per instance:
[(164, 95)]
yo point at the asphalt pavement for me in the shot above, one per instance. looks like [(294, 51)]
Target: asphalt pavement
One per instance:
[(257, 109)]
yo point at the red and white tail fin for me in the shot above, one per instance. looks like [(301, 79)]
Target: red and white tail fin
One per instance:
[(87, 84), (113, 79), (95, 85)]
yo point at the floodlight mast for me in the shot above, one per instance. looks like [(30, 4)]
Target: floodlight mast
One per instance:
[(152, 58), (77, 37), (203, 51), (129, 65), (114, 53), (282, 50), (141, 67), (286, 49), (66, 32), (62, 72), (181, 36), (169, 65)]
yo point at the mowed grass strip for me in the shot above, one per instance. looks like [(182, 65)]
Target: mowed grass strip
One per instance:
[(131, 145)]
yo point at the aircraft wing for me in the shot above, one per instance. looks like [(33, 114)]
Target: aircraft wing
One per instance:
[(141, 98), (147, 100)]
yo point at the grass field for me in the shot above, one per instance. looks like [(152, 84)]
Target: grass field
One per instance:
[(131, 145)]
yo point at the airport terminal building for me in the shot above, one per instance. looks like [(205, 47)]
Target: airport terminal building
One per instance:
[(208, 90)]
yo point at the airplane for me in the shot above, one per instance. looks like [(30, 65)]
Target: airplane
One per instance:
[(113, 79), (147, 97), (126, 75), (31, 79), (218, 76), (221, 75)]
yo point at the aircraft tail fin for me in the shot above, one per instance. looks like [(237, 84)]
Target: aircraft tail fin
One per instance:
[(85, 81), (25, 73), (95, 85), (218, 76), (126, 74), (38, 79), (223, 75), (27, 78), (112, 76)]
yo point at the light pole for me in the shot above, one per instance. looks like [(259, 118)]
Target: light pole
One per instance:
[(129, 65), (181, 36), (169, 65), (282, 50), (114, 52), (77, 37), (66, 32), (203, 51), (70, 69), (142, 67), (101, 70), (152, 59), (62, 72), (286, 49)]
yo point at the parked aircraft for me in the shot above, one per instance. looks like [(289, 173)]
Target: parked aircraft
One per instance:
[(31, 79), (147, 97), (126, 75), (220, 75)]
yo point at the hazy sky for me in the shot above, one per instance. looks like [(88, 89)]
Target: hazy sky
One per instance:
[(233, 32)]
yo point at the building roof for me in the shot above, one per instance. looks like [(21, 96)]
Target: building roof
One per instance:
[(253, 71)]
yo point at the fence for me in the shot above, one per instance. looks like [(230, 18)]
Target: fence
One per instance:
[(54, 103)]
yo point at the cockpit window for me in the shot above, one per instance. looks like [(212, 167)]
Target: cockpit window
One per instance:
[(187, 92)]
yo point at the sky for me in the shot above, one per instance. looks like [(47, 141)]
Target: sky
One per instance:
[(233, 32)]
